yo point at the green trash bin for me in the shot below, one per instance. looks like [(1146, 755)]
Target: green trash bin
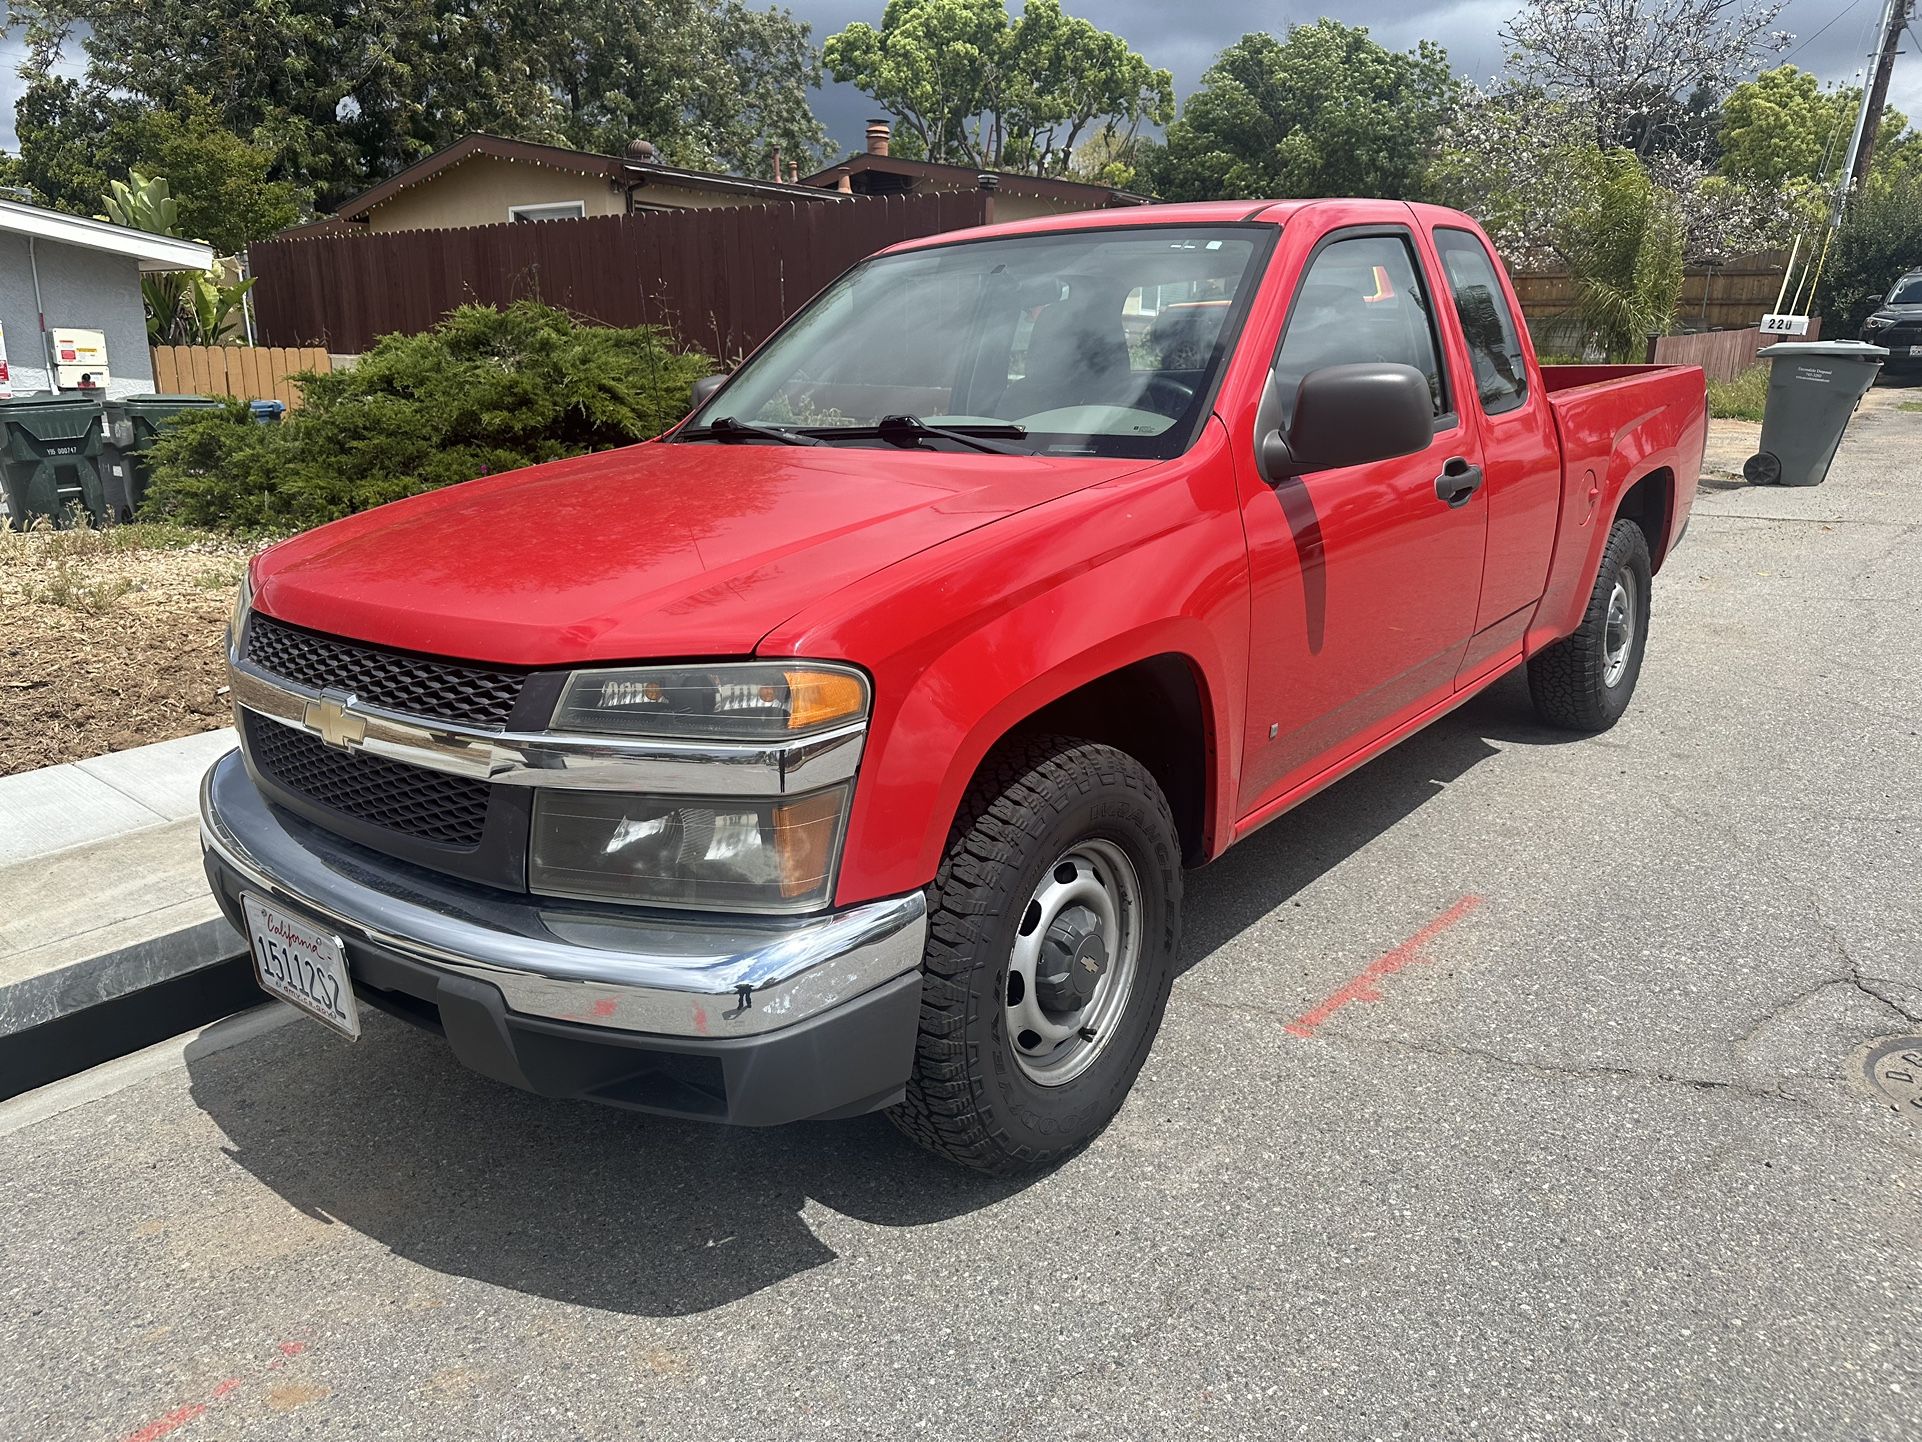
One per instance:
[(48, 461), (132, 424), (1814, 387)]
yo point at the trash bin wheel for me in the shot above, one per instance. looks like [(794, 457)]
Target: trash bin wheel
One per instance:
[(1762, 469)]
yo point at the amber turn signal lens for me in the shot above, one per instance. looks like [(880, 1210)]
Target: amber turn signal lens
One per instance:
[(815, 697), (806, 833)]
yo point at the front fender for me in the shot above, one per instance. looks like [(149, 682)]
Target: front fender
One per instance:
[(967, 641)]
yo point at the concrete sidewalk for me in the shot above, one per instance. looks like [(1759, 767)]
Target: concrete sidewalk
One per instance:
[(101, 892)]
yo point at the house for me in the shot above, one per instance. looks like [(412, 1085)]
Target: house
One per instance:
[(1016, 197), (488, 180), (63, 273)]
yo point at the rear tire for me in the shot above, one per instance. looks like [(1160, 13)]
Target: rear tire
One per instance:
[(1051, 943), (1584, 681)]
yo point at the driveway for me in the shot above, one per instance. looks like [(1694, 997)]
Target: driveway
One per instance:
[(1510, 1091)]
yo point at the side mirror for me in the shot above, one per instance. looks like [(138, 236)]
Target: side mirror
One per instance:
[(1349, 415), (704, 388)]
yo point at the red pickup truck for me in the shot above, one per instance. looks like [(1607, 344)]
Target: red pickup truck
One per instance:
[(843, 748)]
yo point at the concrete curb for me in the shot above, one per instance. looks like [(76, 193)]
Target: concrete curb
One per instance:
[(103, 902)]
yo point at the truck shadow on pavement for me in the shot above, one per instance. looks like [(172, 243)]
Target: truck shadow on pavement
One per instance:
[(390, 1138)]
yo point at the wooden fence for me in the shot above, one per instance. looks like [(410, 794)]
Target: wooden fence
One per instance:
[(251, 373), (720, 279), (1723, 354), (1724, 297)]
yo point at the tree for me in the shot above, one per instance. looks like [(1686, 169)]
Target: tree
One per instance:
[(1626, 64), (1880, 238), (1328, 111), (1623, 243), (1521, 162), (345, 96), (75, 140), (974, 87), (1783, 126)]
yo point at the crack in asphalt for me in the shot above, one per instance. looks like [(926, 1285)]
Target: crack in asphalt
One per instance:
[(1588, 1071)]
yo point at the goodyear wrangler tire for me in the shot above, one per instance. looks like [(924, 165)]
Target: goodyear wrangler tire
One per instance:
[(1584, 681), (1051, 943)]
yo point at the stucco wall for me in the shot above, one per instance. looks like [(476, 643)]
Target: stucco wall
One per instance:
[(479, 189), (79, 288)]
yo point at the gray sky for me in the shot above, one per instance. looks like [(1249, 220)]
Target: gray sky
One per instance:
[(1185, 36)]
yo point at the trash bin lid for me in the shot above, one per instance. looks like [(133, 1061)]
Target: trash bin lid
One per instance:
[(49, 401), (1852, 349), (168, 403)]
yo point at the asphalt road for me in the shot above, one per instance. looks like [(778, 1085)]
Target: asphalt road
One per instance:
[(1593, 1162)]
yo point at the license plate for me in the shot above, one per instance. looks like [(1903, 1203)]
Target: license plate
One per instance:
[(298, 962)]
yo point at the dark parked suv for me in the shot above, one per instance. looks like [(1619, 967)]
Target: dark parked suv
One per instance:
[(1897, 324)]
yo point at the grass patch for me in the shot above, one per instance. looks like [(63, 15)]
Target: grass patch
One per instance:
[(79, 541), (1741, 399), (71, 590), (1908, 405)]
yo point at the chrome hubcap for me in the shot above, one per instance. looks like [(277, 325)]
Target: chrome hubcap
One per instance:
[(1076, 950), (1618, 630)]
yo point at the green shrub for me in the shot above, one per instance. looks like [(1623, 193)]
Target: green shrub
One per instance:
[(1741, 399), (1880, 238), (487, 391)]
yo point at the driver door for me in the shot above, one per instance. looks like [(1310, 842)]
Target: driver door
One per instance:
[(1364, 580)]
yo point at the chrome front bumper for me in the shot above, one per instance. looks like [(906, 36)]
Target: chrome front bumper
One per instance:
[(588, 965)]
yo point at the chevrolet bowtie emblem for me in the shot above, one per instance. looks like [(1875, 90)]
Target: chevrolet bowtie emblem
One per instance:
[(327, 716)]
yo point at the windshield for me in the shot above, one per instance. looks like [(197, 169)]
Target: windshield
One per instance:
[(1090, 342), (1908, 291)]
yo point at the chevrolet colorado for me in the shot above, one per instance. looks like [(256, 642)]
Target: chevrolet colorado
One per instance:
[(843, 748)]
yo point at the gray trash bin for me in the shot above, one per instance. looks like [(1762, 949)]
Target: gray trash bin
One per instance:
[(1814, 387)]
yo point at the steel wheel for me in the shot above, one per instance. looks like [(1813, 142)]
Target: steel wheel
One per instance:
[(1618, 630), (1076, 951)]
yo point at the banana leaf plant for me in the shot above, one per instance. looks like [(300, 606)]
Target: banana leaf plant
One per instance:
[(183, 307)]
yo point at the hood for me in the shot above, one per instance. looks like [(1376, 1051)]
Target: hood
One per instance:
[(658, 550)]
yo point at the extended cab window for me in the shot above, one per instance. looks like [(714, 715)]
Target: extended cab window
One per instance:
[(1494, 340), (1088, 342)]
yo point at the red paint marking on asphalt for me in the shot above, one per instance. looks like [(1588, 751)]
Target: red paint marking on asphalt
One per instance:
[(181, 1416), (700, 1019), (172, 1422), (604, 1007), (1361, 986)]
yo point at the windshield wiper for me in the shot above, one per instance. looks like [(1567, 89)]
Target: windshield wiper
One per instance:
[(904, 429), (726, 428)]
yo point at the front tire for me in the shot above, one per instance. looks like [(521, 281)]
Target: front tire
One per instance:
[(1051, 944), (1584, 681)]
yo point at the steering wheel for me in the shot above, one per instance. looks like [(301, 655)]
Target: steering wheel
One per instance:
[(1165, 396)]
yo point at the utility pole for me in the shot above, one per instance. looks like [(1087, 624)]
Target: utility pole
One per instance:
[(1870, 120)]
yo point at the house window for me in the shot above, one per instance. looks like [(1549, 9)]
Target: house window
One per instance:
[(556, 210)]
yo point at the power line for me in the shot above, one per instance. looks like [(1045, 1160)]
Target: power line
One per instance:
[(1818, 34)]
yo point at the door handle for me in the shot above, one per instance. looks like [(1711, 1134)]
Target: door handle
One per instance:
[(1458, 481)]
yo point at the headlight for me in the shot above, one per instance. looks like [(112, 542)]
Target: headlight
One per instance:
[(724, 855), (1878, 322), (243, 603), (736, 701)]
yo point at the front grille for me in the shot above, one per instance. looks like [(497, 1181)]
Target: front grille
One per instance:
[(428, 805), (439, 690)]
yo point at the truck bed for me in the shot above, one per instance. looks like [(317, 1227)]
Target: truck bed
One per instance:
[(1617, 424)]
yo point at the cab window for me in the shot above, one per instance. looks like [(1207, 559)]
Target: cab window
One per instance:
[(1494, 340), (1361, 300)]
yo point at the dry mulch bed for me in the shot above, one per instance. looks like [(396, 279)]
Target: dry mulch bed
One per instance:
[(110, 639)]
